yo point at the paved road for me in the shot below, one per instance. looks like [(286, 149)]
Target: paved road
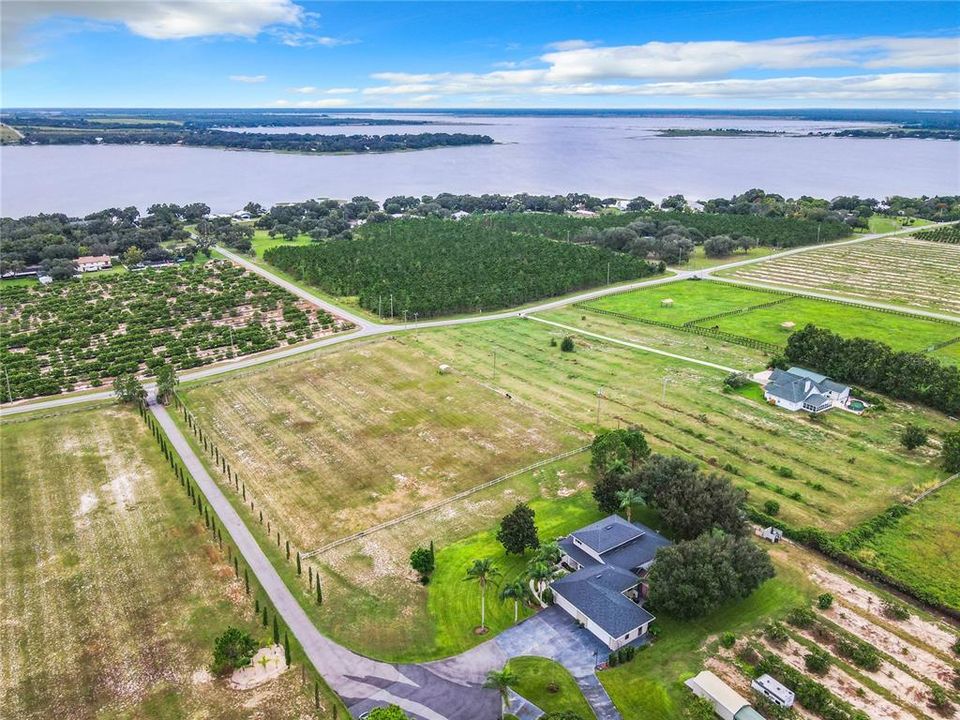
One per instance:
[(368, 328), (361, 682)]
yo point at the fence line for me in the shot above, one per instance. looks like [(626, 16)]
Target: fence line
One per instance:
[(929, 491), (453, 498)]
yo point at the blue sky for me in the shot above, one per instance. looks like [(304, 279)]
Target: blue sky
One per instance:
[(278, 53)]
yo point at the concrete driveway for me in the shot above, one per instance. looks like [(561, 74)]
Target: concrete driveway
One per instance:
[(553, 634)]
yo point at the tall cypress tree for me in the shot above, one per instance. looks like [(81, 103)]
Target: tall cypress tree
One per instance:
[(288, 548), (246, 581), (286, 648), (265, 615), (299, 570), (276, 630), (319, 592)]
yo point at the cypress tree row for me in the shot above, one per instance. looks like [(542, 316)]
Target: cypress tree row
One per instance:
[(286, 648), (276, 630)]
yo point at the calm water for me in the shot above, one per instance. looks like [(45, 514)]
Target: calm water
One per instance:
[(604, 156)]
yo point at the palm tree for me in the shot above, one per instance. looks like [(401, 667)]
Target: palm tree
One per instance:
[(539, 574), (501, 680), (548, 553), (628, 498), (516, 591), (482, 572)]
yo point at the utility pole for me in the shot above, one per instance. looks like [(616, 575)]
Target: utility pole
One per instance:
[(380, 306), (818, 233), (663, 392), (232, 346), (608, 272), (599, 398), (494, 365), (405, 319), (391, 306), (7, 376)]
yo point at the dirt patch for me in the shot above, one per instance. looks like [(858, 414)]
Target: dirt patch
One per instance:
[(927, 632), (267, 663), (841, 684)]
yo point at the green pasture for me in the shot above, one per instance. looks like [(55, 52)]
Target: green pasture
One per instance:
[(901, 332), (692, 299)]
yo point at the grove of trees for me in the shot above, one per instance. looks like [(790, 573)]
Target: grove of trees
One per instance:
[(432, 267)]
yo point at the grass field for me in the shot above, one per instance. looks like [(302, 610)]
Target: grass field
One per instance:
[(360, 435), (111, 592), (692, 300), (697, 302), (923, 547), (900, 270), (699, 261), (549, 686), (650, 686), (831, 473)]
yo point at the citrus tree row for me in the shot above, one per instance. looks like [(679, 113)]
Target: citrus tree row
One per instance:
[(83, 333), (432, 267)]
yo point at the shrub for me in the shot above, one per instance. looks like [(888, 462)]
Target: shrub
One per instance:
[(860, 653), (825, 601), (422, 560), (771, 507), (941, 701), (231, 650), (566, 345), (736, 380), (728, 640), (817, 662), (776, 633), (801, 617), (748, 655), (896, 610), (913, 436), (785, 472)]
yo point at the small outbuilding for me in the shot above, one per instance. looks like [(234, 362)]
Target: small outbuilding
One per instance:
[(771, 533), (666, 302), (727, 702)]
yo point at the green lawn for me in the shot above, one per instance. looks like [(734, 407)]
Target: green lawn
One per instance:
[(923, 547), (549, 686), (263, 242), (650, 687), (454, 604), (901, 332), (692, 299)]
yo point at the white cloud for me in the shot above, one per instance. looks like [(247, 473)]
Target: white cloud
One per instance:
[(324, 103), (340, 91), (305, 90), (161, 20), (709, 69), (299, 38), (891, 86), (248, 78), (571, 44), (710, 59)]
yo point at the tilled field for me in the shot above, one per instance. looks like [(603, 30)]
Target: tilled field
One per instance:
[(894, 270), (110, 592)]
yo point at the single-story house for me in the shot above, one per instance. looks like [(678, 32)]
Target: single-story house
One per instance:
[(727, 702), (242, 215), (800, 389), (93, 263), (773, 691), (609, 561)]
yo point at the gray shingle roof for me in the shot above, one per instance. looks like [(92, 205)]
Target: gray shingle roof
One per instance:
[(597, 593), (607, 534), (809, 374), (637, 552), (796, 385), (576, 553)]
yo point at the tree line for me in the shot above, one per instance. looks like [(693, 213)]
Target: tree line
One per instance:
[(871, 364)]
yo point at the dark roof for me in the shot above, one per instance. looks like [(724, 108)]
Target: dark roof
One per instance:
[(637, 552), (796, 384), (576, 553), (598, 593), (804, 373), (607, 534)]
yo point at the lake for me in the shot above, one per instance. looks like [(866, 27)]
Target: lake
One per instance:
[(605, 156)]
